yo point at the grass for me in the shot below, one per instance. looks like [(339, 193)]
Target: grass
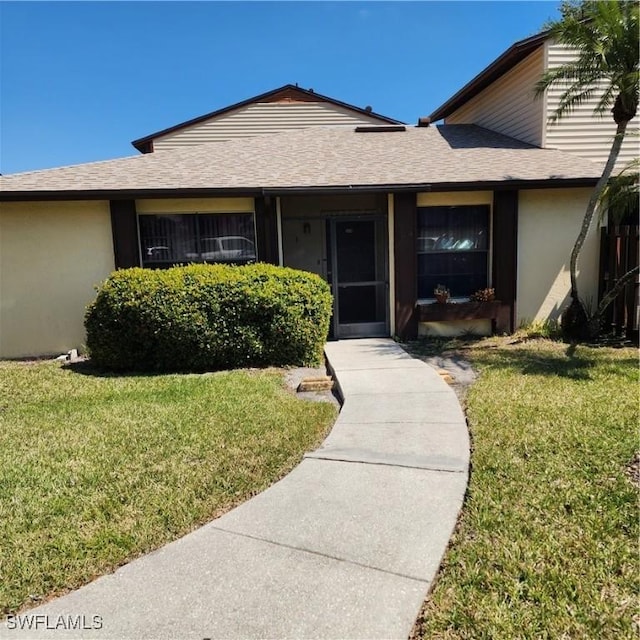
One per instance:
[(547, 543), (97, 470)]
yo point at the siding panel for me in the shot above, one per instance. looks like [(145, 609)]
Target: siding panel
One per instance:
[(262, 118), (508, 105), (581, 132)]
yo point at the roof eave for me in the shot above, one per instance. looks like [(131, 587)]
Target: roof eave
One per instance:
[(514, 54), (125, 194), (493, 185)]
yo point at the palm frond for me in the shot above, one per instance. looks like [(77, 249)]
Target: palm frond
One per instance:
[(620, 197), (575, 96), (606, 38), (606, 100)]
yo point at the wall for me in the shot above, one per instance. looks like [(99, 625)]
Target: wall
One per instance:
[(200, 205), (548, 223), (304, 238), (581, 132), (508, 105), (52, 254), (262, 118)]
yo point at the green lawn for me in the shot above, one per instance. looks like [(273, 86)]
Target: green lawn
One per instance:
[(97, 470), (547, 544)]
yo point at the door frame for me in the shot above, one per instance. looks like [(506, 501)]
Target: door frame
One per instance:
[(359, 329)]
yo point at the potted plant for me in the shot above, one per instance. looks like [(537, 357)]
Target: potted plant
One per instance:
[(442, 294), (483, 295)]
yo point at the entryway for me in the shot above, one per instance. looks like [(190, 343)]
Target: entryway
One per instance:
[(349, 249), (358, 276)]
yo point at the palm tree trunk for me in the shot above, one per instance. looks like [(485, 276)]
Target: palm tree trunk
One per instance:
[(591, 208)]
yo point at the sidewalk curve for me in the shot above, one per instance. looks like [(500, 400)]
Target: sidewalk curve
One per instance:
[(345, 546)]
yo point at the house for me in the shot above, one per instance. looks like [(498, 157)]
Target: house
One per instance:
[(501, 98), (384, 211)]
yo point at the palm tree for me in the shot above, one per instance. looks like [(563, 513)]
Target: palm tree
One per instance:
[(605, 35)]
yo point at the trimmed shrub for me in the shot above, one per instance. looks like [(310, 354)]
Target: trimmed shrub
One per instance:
[(205, 317)]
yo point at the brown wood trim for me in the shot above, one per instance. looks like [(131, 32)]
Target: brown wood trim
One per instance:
[(124, 227), (505, 253), (291, 94), (493, 310), (266, 229), (438, 312), (125, 194), (406, 264)]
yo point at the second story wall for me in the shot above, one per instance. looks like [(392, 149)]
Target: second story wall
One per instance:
[(581, 131), (508, 105), (262, 118)]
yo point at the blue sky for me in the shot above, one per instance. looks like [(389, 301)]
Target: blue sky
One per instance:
[(80, 80)]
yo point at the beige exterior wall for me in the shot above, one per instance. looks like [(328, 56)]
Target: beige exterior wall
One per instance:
[(52, 254), (453, 198), (508, 105), (196, 205), (456, 328), (581, 132), (262, 118), (548, 223)]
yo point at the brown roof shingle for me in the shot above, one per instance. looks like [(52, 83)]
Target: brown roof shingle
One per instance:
[(333, 158)]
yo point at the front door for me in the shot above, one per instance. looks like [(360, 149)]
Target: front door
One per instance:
[(359, 276)]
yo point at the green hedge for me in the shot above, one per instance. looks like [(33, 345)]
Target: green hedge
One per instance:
[(204, 317)]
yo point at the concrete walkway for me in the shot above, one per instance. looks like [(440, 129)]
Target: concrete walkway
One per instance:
[(345, 546)]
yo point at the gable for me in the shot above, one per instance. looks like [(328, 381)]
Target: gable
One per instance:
[(508, 105), (502, 98), (263, 118), (502, 65), (291, 108)]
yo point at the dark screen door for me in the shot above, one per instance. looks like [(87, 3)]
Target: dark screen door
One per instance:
[(360, 277)]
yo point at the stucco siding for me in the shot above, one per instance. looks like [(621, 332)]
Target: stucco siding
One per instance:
[(454, 198), (548, 223), (52, 254), (508, 105), (196, 205), (262, 118), (581, 131)]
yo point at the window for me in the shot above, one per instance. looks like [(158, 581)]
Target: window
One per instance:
[(196, 237), (453, 249)]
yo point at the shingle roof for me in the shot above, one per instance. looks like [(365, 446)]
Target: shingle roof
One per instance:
[(318, 158)]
